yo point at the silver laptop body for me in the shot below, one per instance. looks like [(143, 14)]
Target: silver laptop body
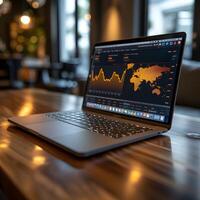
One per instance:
[(129, 97)]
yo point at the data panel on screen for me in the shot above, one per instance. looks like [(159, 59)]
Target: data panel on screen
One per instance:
[(134, 79)]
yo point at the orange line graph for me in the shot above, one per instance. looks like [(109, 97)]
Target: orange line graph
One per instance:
[(112, 83), (114, 77)]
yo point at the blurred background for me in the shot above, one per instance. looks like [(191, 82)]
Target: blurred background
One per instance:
[(47, 43)]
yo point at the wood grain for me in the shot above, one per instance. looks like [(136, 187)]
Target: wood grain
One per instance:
[(165, 167)]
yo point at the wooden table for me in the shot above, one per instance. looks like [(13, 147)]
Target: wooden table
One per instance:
[(165, 167)]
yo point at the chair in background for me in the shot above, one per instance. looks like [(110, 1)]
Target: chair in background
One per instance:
[(189, 87), (64, 78), (9, 68)]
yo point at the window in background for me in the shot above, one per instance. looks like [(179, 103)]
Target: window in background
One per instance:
[(67, 29), (167, 16), (84, 33), (74, 23)]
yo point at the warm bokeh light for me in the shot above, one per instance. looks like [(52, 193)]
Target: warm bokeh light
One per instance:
[(1, 2), (38, 148), (87, 17), (112, 29), (39, 160), (134, 176), (133, 179), (26, 109), (35, 5), (3, 145), (5, 124), (34, 39), (25, 19)]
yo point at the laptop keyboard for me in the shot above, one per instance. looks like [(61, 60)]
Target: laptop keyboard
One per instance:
[(99, 124)]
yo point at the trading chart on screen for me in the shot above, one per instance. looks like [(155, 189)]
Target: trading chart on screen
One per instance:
[(134, 77)]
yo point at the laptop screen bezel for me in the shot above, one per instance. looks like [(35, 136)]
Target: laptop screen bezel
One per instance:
[(142, 39)]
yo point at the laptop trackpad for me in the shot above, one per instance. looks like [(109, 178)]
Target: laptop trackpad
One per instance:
[(55, 129)]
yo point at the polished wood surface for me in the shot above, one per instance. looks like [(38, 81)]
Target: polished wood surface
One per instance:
[(165, 167)]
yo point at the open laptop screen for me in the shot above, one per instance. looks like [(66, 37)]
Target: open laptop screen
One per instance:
[(135, 78)]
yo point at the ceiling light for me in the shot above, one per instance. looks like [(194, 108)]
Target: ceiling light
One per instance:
[(25, 19), (36, 3)]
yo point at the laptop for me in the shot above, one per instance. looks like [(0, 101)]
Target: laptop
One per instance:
[(129, 97)]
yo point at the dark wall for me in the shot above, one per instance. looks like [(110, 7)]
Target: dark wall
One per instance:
[(6, 19), (111, 20)]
